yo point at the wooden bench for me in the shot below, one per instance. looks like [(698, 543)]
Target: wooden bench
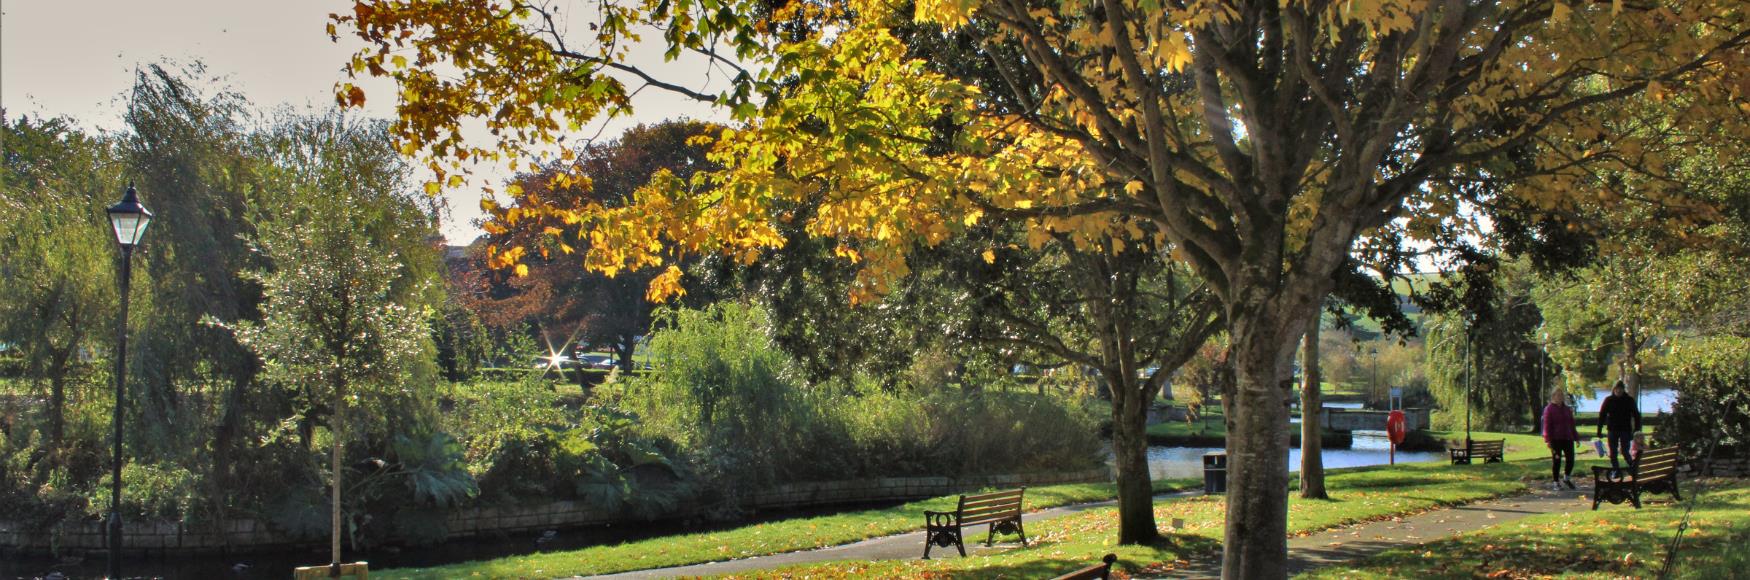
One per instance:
[(1655, 471), (1100, 571), (1001, 510), (1494, 451)]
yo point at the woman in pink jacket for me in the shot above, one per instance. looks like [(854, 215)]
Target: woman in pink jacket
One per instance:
[(1560, 435)]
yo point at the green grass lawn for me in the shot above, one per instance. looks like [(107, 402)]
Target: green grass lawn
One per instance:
[(1614, 542), (1070, 542), (1061, 544), (752, 540)]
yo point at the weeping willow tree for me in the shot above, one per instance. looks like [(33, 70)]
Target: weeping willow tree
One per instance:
[(1494, 343)]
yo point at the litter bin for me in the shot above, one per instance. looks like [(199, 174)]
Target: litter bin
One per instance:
[(1215, 472)]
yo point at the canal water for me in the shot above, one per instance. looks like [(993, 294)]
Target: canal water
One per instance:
[(1370, 448), (279, 565)]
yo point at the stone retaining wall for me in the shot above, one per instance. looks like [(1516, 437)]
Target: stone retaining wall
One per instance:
[(465, 522), (1738, 466)]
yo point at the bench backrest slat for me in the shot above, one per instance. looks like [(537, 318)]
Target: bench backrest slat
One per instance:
[(1656, 463), (1002, 512), (1010, 501), (990, 507), (994, 496)]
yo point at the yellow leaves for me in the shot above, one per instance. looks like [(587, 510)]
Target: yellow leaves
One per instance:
[(1134, 187), (665, 286), (990, 256), (1037, 237), (522, 270), (1172, 52), (349, 95), (1559, 11), (948, 13), (433, 188)]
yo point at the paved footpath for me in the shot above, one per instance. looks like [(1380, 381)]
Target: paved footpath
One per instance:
[(1305, 553)]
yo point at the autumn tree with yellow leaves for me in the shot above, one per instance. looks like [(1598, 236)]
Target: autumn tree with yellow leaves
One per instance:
[(1256, 141)]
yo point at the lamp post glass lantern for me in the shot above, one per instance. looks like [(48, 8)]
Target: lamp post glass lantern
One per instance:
[(129, 218)]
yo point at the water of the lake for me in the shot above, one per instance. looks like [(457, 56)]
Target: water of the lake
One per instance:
[(1652, 401), (1370, 448)]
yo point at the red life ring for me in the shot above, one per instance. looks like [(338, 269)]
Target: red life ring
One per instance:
[(1395, 427)]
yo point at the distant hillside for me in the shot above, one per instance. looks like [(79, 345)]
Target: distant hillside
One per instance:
[(1402, 286)]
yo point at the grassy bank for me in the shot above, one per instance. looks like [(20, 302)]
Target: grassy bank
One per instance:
[(1061, 544), (754, 540), (1358, 495), (1610, 543)]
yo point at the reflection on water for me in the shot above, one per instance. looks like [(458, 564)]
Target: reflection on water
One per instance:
[(1652, 400), (1370, 448)]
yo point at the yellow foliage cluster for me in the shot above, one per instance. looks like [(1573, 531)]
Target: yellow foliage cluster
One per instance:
[(1142, 131)]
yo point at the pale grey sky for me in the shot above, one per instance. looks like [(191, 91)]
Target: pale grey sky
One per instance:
[(75, 58)]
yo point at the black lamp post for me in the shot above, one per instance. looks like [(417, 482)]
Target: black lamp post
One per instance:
[(129, 219), (1469, 372)]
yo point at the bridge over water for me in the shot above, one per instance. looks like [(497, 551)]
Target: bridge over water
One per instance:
[(1369, 420)]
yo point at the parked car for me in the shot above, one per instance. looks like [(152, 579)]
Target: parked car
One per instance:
[(596, 361), (555, 362)]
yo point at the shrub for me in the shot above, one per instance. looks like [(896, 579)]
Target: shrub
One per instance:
[(520, 443), (149, 490), (1713, 395), (736, 408)]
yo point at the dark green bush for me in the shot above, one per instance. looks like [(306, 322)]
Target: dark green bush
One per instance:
[(738, 411), (1713, 396)]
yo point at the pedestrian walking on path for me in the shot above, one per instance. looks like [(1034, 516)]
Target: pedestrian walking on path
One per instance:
[(1622, 418), (1559, 433)]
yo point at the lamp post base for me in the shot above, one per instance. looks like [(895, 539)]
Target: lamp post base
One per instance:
[(113, 530), (360, 570)]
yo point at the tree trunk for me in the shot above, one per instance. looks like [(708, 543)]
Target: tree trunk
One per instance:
[(627, 347), (57, 412), (1256, 540), (1312, 462), (1136, 513), (57, 371), (1631, 362), (336, 428), (224, 446)]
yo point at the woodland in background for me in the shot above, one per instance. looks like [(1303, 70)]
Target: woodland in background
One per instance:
[(277, 231)]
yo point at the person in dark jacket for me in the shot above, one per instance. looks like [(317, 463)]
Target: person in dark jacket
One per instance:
[(1622, 418), (1560, 435)]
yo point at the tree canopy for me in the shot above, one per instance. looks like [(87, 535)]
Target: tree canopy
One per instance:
[(1258, 139)]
